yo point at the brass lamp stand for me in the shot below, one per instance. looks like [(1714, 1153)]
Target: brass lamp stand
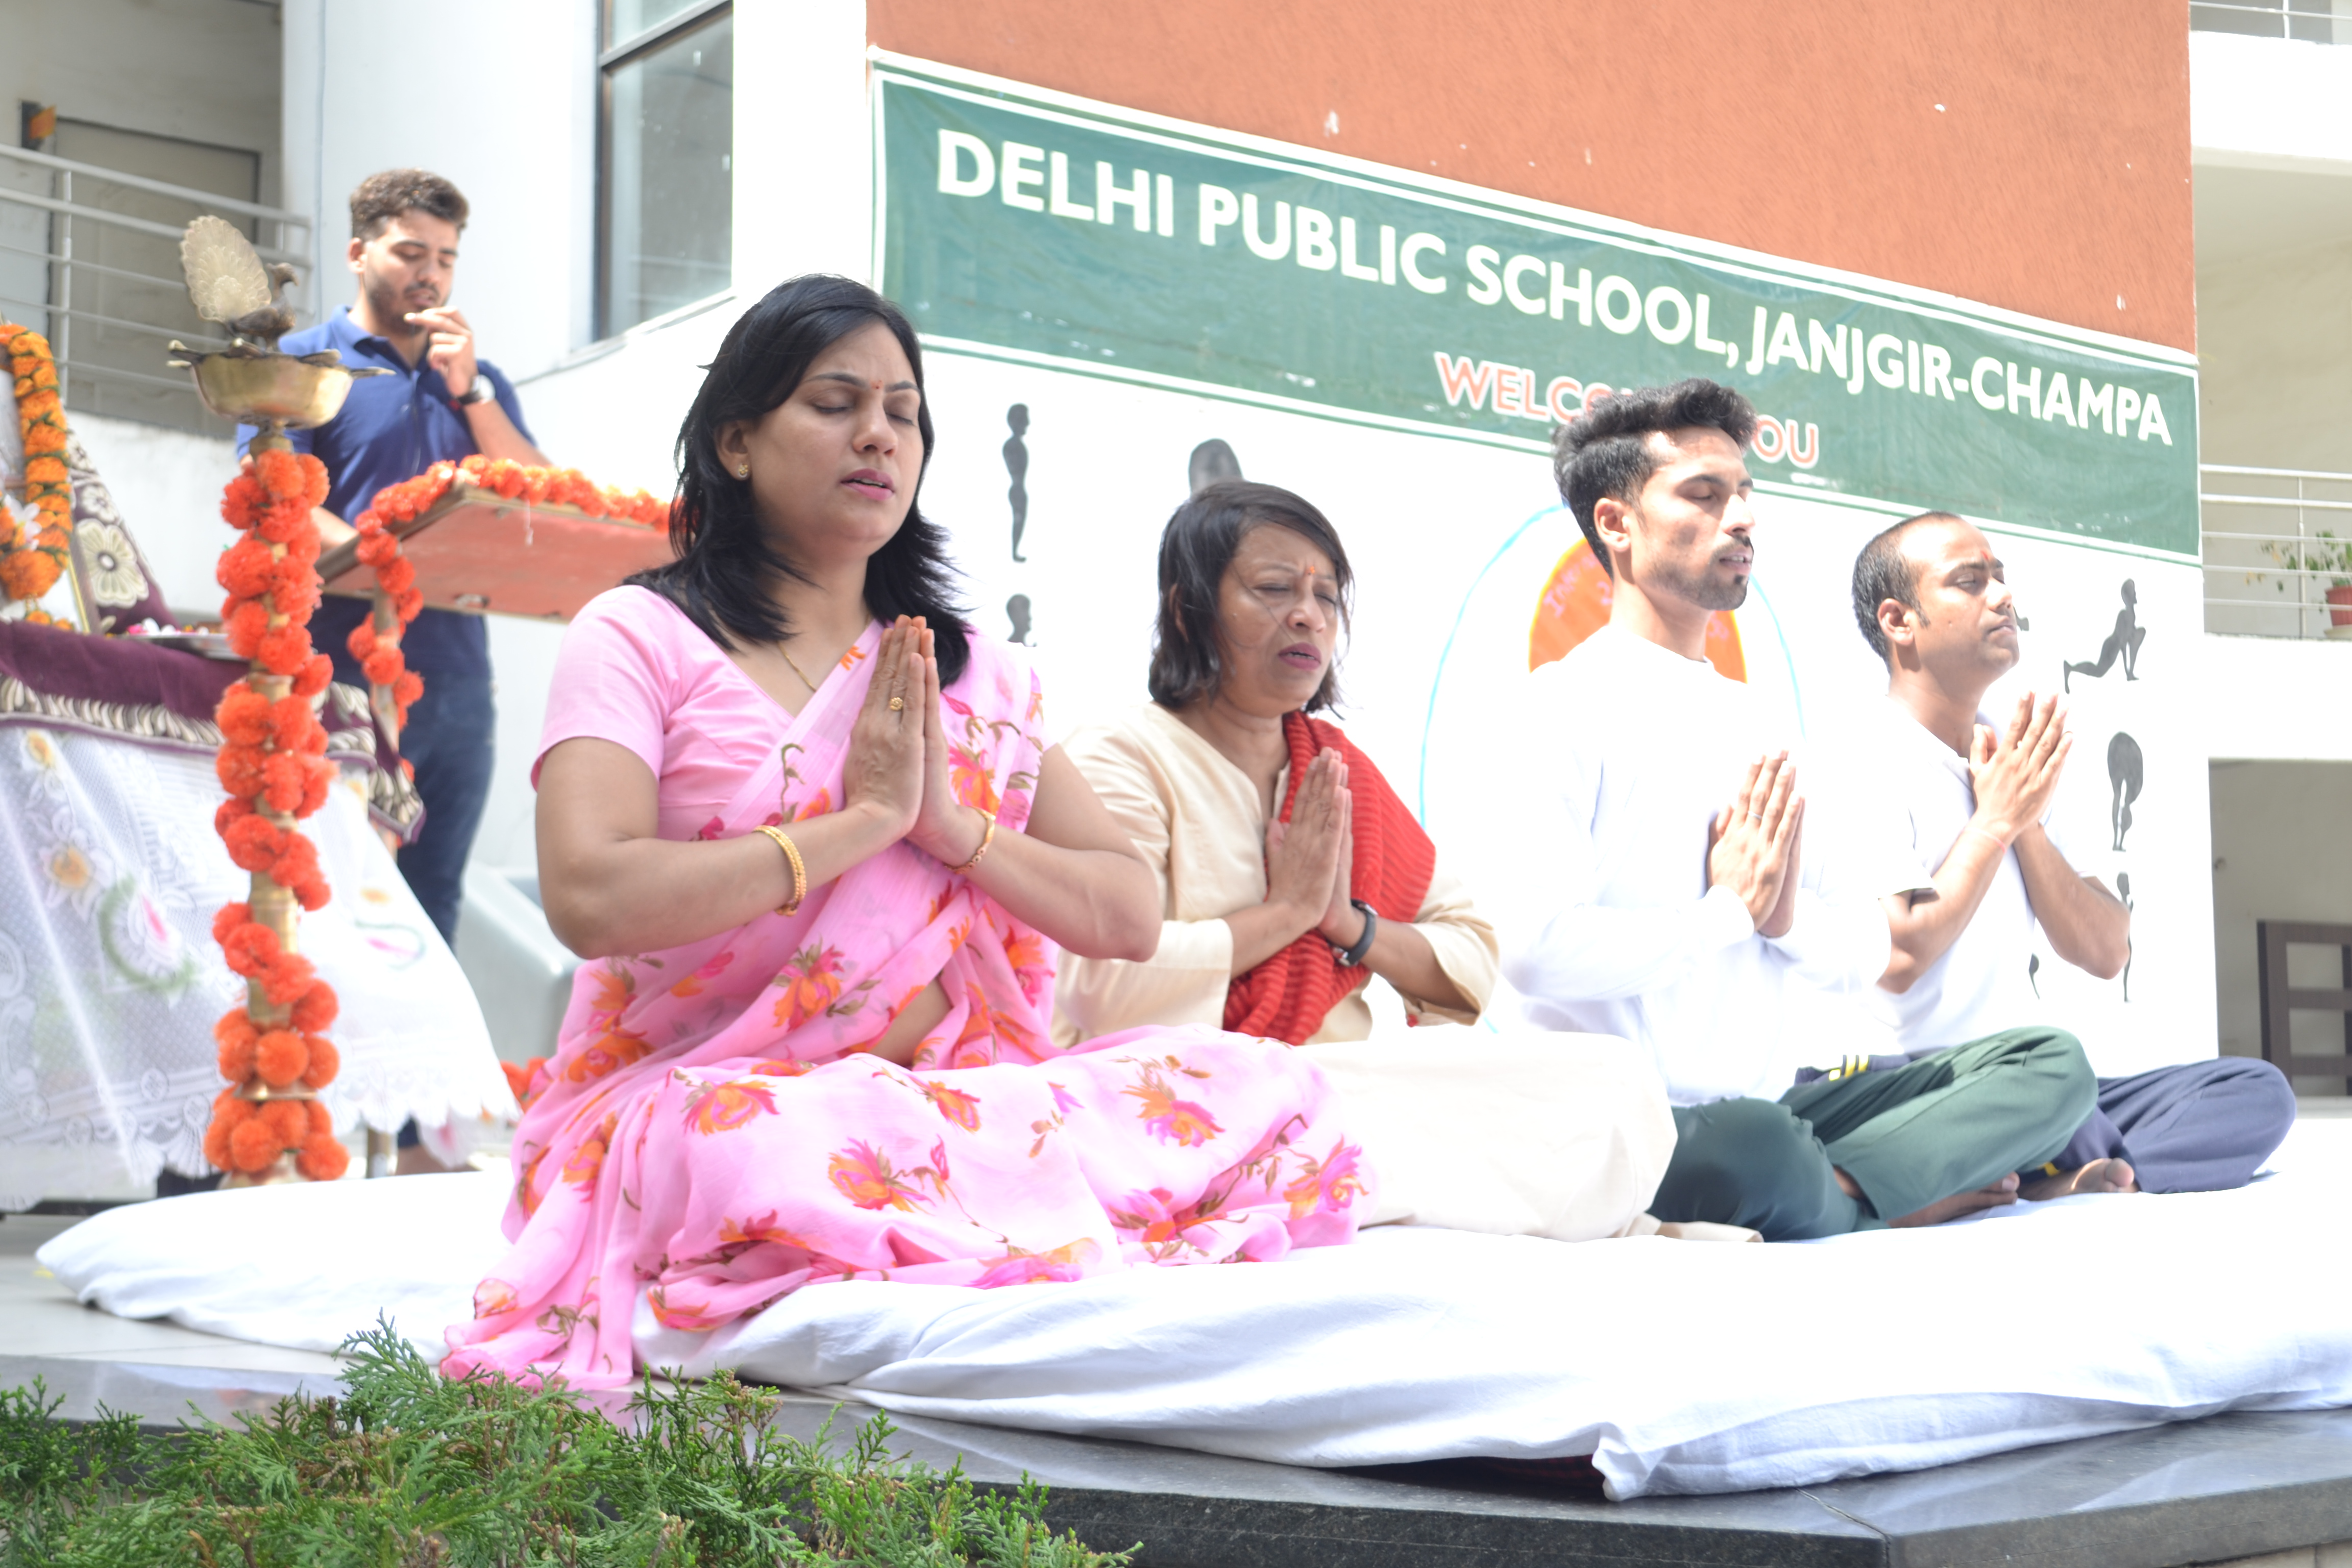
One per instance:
[(251, 382)]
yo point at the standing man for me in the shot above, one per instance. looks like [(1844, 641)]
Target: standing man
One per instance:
[(1664, 894), (439, 404), (1972, 805)]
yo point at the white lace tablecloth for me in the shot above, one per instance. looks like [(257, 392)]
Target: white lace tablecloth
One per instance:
[(111, 981)]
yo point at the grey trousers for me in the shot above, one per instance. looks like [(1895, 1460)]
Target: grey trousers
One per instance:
[(2194, 1127), (1953, 1121)]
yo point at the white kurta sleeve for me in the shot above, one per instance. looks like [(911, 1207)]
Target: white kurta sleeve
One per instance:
[(1464, 945), (1184, 981), (1860, 846)]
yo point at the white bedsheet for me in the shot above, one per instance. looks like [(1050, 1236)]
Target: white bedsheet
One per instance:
[(1680, 1367)]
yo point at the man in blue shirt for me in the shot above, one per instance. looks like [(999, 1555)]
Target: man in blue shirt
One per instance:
[(439, 404)]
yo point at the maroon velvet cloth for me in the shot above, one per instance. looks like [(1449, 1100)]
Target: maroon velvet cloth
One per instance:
[(113, 669), (132, 671)]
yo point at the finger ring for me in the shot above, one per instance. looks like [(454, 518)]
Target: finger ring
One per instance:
[(897, 703), (1757, 815)]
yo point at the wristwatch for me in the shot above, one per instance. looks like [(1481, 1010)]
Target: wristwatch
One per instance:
[(1349, 957), (480, 392)]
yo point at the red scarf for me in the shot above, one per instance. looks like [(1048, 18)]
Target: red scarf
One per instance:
[(1286, 997)]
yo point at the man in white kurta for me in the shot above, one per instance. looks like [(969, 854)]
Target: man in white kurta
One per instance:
[(1669, 891), (1996, 828)]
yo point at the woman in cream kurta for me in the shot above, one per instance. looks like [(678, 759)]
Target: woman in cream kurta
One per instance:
[(1512, 1132), (1200, 823)]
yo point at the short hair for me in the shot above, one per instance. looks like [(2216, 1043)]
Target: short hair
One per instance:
[(1879, 573), (1606, 450), (1196, 548), (382, 197)]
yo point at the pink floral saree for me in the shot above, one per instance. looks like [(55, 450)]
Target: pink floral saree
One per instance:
[(712, 1133)]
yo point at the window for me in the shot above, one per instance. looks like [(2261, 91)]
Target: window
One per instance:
[(2310, 21), (667, 137)]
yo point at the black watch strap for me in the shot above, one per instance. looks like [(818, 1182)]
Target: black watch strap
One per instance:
[(1352, 956), (480, 392)]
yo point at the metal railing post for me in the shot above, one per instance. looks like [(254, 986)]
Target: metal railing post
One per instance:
[(61, 324)]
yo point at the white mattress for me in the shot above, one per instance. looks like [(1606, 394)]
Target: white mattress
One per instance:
[(1681, 1367)]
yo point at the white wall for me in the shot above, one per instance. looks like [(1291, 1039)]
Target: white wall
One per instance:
[(2281, 851), (499, 99), (167, 485), (2273, 699), (2268, 102), (615, 416), (2277, 385)]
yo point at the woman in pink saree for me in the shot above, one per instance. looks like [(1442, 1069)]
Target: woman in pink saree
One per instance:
[(809, 831)]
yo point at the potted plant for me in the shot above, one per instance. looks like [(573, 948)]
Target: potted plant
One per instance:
[(2324, 556)]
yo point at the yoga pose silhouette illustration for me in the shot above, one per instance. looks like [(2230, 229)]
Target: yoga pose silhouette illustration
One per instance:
[(2123, 891), (2123, 642), (2125, 772), (1016, 463)]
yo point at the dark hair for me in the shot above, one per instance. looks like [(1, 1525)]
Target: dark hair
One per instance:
[(1881, 573), (1606, 451), (724, 565), (382, 197), (1197, 545)]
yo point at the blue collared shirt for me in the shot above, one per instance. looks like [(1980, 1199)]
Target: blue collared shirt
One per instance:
[(392, 427)]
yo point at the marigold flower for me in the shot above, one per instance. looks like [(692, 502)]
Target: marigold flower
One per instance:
[(324, 1159), (252, 1147), (325, 1062), (316, 1009), (280, 1057)]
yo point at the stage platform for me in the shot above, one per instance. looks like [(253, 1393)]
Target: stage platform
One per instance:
[(2275, 1489), (2229, 1488)]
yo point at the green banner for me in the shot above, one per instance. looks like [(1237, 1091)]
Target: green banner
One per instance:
[(1080, 236)]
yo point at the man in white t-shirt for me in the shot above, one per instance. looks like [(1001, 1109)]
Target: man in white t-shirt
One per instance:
[(1665, 893), (1972, 805)]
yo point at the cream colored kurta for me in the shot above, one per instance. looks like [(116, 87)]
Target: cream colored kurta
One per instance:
[(1522, 1133), (1200, 823)]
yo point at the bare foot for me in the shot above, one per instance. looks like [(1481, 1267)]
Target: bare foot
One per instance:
[(2098, 1176), (1992, 1197)]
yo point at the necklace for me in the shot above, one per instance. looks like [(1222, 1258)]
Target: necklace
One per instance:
[(796, 669)]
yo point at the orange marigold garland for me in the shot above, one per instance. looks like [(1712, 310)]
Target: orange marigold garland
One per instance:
[(273, 1049), (29, 569), (377, 647)]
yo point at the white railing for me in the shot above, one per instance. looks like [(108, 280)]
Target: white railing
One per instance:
[(90, 257), (2306, 21), (2277, 541)]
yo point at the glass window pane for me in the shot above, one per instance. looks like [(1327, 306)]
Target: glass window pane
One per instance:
[(2263, 19), (624, 19), (670, 196)]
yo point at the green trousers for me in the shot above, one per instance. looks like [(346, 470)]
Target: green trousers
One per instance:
[(1951, 1122)]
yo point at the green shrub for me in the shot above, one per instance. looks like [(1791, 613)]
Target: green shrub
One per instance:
[(413, 1470)]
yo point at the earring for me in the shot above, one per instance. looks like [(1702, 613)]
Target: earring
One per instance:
[(744, 472)]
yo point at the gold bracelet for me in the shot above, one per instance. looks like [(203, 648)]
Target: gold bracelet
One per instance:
[(986, 838), (800, 871)]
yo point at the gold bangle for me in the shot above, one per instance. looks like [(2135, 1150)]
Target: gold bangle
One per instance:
[(986, 838), (800, 871)]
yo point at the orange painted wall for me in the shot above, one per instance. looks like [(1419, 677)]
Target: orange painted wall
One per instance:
[(2053, 180)]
